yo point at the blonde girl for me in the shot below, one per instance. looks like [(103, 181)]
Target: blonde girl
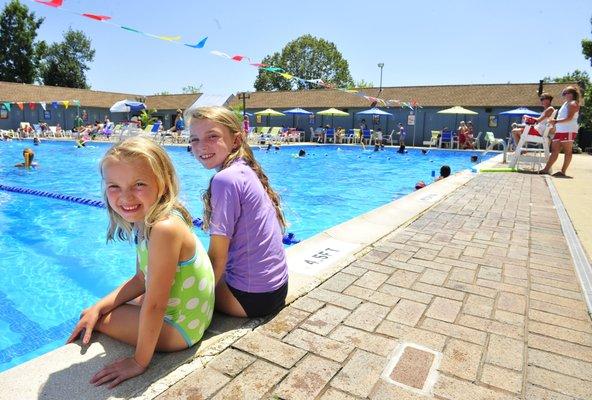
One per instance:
[(243, 216), (173, 271)]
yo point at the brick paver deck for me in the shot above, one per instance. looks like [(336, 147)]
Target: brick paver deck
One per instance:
[(484, 277)]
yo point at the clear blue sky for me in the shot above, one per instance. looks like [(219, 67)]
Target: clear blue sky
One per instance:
[(420, 42)]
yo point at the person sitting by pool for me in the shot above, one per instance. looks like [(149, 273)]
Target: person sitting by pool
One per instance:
[(243, 216), (319, 134), (28, 156), (174, 274), (444, 172)]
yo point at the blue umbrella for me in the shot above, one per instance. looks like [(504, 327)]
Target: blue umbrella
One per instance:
[(521, 111), (295, 112), (373, 111)]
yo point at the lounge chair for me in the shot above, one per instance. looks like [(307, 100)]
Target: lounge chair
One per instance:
[(390, 138), (537, 156), (434, 140), (477, 141), (491, 141)]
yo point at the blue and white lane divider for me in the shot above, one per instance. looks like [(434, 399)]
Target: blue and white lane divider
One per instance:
[(289, 238)]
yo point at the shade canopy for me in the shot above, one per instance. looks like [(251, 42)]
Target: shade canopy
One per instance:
[(457, 110), (521, 111), (127, 106), (297, 111), (373, 111), (333, 112), (270, 112)]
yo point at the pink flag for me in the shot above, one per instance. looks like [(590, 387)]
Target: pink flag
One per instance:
[(96, 17), (52, 3)]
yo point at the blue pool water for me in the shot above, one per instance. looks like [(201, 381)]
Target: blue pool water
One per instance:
[(54, 261)]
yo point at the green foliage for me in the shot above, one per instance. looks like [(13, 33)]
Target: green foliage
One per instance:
[(361, 84), (576, 76), (64, 64), (309, 58), (146, 117), (587, 47), (162, 93), (190, 89), (19, 53)]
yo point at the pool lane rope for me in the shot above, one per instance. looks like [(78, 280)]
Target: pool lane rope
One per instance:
[(288, 238)]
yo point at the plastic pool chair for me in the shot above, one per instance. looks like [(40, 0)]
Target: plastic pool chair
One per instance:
[(477, 141), (491, 141), (366, 135), (329, 134), (537, 156), (434, 140), (448, 137)]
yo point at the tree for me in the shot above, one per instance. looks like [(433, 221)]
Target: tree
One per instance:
[(19, 54), (190, 89), (581, 77), (64, 64), (309, 58), (361, 84), (587, 47)]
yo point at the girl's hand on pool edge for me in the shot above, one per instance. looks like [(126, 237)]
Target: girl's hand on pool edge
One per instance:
[(87, 322), (117, 372)]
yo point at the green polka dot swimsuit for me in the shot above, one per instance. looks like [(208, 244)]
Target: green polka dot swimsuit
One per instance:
[(191, 300)]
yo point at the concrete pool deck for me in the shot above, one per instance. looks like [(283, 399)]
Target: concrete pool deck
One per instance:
[(466, 268)]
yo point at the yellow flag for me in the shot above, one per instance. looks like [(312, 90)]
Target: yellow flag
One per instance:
[(66, 103)]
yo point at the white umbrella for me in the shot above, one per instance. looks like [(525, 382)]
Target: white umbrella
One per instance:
[(127, 106)]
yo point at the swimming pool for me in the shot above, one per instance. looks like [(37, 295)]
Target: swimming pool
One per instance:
[(53, 257)]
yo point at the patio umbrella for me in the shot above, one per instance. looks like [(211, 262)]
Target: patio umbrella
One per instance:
[(520, 111), (374, 111), (295, 112), (269, 112), (127, 106), (333, 112), (456, 110)]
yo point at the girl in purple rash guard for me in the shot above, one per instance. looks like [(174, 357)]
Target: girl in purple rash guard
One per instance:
[(243, 216)]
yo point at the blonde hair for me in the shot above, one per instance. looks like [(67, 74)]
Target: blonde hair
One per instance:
[(144, 149), (574, 92), (227, 118)]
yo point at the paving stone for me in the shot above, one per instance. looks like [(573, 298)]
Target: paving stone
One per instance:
[(382, 268), (249, 384), (438, 266), (403, 278), (352, 270), (502, 378), (360, 374), (511, 302), (307, 379), (453, 389), (338, 282), (505, 352), (367, 316), (491, 326), (456, 331), (450, 252), (371, 295), (426, 254), (388, 391), (462, 275), (439, 291), (573, 286), (270, 349), (560, 364), (363, 340), (509, 318), (433, 277), (557, 332), (374, 256), (579, 314), (570, 294), (461, 359), (538, 393), (325, 320), (499, 286), (231, 362), (407, 312), (284, 322), (406, 293), (558, 320), (321, 345), (335, 298), (469, 288), (562, 347), (371, 280), (560, 383), (405, 333), (491, 273), (444, 309), (210, 381), (307, 303), (334, 394)]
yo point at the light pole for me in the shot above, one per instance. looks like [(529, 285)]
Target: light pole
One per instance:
[(380, 65), (244, 96)]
